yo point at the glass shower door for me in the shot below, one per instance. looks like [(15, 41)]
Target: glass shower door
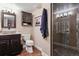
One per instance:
[(65, 29), (64, 36)]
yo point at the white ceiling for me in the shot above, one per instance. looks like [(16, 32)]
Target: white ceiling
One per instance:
[(29, 7)]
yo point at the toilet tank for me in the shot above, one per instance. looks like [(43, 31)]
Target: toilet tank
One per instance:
[(26, 36)]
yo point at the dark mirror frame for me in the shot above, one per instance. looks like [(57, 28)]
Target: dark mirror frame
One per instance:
[(2, 19)]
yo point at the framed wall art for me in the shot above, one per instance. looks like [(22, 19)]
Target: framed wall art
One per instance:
[(38, 21)]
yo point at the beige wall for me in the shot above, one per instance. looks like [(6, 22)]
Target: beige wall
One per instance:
[(19, 27), (44, 44)]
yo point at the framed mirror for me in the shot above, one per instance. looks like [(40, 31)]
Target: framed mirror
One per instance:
[(8, 20)]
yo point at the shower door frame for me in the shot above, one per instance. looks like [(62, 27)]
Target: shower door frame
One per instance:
[(72, 39), (51, 29)]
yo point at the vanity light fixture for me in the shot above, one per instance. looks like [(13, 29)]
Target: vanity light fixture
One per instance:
[(65, 14), (70, 13), (8, 10)]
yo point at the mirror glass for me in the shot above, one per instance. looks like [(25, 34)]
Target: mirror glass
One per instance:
[(8, 20)]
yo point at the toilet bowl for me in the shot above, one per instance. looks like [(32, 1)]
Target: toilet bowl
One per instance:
[(28, 43), (29, 46)]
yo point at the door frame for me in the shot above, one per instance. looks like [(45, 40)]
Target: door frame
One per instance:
[(51, 29)]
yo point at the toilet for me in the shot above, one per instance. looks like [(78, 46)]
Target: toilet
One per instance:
[(28, 43)]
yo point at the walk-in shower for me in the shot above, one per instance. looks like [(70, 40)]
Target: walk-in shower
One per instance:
[(65, 18)]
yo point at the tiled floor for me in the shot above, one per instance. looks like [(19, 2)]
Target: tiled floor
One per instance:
[(36, 52)]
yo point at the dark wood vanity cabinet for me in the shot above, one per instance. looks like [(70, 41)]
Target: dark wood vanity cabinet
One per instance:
[(10, 44), (26, 18)]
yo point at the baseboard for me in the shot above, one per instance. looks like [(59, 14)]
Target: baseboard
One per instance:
[(39, 48)]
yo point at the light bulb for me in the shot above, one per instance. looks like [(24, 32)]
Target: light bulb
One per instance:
[(70, 13), (65, 14), (57, 15), (61, 15)]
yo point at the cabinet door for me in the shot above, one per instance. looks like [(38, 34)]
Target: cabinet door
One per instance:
[(15, 45), (4, 45)]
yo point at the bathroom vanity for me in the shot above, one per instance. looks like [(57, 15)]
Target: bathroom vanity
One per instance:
[(10, 44)]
